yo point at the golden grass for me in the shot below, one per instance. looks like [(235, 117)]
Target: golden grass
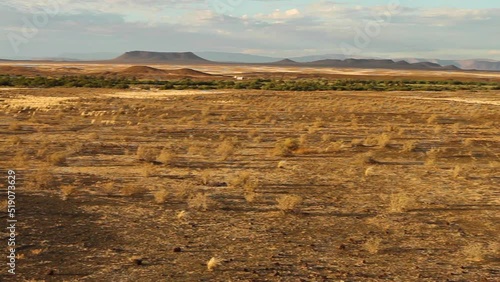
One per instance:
[(289, 203)]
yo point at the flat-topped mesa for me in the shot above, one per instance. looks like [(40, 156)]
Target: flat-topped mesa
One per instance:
[(159, 57)]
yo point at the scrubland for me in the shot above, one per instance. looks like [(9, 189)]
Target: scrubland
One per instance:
[(254, 185)]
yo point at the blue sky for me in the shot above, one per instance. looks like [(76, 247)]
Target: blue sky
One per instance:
[(443, 29)]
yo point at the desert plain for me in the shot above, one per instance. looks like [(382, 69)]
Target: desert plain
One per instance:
[(143, 184)]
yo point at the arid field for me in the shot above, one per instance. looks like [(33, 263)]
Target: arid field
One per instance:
[(149, 185)]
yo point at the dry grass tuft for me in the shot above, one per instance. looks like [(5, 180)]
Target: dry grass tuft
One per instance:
[(399, 202), (473, 252), (225, 150), (108, 188), (15, 140), (370, 171), (457, 170), (432, 156), (213, 263), (3, 205), (366, 158), (147, 154), (148, 169), (282, 164), (58, 158), (250, 196), (383, 140), (372, 245), (335, 146), (36, 252), (289, 203), (286, 147), (199, 201), (14, 126), (409, 146), (432, 119), (43, 179), (132, 190), (239, 180), (67, 190), (182, 215), (160, 196), (205, 177), (165, 157)]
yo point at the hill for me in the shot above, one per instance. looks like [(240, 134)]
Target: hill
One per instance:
[(188, 72), (154, 73), (159, 57), (137, 70)]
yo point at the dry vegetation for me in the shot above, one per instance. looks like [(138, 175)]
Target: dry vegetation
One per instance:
[(285, 186)]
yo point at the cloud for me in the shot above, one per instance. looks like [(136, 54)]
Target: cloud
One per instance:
[(188, 25)]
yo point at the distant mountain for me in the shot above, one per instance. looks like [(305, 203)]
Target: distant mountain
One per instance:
[(286, 62), (159, 57), (479, 65), (378, 64), (236, 57), (313, 58), (476, 64)]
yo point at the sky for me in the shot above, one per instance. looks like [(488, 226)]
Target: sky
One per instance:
[(444, 29)]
